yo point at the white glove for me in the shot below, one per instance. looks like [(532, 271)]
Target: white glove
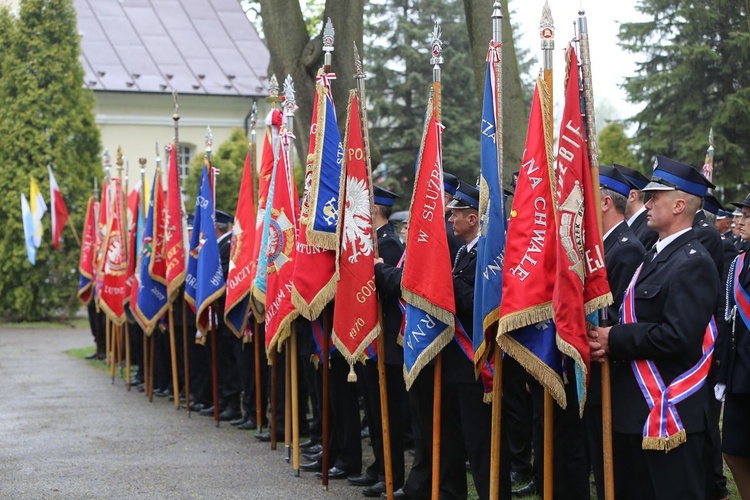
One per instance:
[(719, 391)]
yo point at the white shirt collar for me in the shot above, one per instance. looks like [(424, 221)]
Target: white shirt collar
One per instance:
[(662, 244), (635, 215), (472, 243), (610, 231), (224, 236)]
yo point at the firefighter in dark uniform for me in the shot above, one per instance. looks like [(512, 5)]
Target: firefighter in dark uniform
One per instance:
[(734, 378), (635, 211), (667, 318), (623, 253), (390, 250)]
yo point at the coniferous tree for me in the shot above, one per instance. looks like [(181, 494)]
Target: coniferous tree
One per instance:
[(47, 119), (694, 75)]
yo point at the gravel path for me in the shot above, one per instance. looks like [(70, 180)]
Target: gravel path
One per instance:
[(67, 432)]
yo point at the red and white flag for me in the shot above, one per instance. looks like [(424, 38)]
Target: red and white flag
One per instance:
[(174, 229), (581, 285), (114, 262), (355, 317), (59, 211)]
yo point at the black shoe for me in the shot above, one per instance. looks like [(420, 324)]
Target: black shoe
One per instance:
[(363, 480), (248, 425), (399, 494), (308, 444), (313, 456), (316, 448), (238, 421), (315, 466), (198, 407), (93, 355), (365, 432), (335, 473), (375, 490), (229, 414), (526, 490), (207, 411), (518, 479), (265, 437), (140, 388)]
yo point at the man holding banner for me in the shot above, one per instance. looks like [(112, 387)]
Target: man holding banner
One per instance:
[(666, 339)]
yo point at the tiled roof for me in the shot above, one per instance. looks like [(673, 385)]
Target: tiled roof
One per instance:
[(191, 46)]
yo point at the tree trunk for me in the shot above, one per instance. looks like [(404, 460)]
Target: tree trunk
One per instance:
[(479, 25), (293, 52)]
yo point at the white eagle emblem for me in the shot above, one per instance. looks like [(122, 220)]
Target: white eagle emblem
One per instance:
[(357, 237)]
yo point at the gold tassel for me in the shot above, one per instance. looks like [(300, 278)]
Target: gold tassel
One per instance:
[(352, 377)]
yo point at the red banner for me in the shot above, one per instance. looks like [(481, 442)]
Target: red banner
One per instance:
[(355, 317), (240, 276), (132, 233), (581, 285), (114, 263), (157, 268), (86, 261), (280, 311), (427, 281), (174, 229)]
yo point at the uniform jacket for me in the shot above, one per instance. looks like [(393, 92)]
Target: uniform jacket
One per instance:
[(390, 250), (647, 236), (675, 296), (456, 366), (710, 238), (623, 253), (737, 374)]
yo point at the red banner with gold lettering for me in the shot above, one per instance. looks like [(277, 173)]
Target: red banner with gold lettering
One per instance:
[(581, 285), (173, 226), (355, 317), (114, 262)]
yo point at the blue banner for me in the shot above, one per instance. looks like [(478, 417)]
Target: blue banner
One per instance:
[(204, 282), (488, 287), (152, 295)]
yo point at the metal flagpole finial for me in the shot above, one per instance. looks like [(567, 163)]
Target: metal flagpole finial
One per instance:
[(158, 154), (254, 116), (290, 102), (273, 90), (176, 114), (582, 23), (329, 36), (547, 28), (497, 10), (358, 71), (711, 137), (437, 45), (119, 161), (209, 139), (497, 22), (142, 163), (107, 162)]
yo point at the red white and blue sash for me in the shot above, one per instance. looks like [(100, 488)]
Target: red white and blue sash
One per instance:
[(739, 296), (663, 429)]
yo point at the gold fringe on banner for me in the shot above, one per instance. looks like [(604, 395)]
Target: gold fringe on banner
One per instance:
[(545, 375), (359, 354), (573, 354), (442, 340), (313, 310)]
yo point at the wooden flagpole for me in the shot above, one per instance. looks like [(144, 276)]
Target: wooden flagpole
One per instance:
[(497, 377), (547, 32), (295, 400), (360, 77), (437, 401), (593, 152), (272, 360), (325, 397)]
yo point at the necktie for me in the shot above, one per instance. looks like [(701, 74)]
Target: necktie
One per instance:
[(459, 254), (650, 255)]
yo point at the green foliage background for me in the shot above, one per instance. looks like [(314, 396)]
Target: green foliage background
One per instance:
[(694, 75), (47, 118)]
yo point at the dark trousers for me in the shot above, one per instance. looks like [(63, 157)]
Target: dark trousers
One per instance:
[(716, 481), (228, 348), (346, 440), (571, 471), (97, 323), (650, 474), (517, 415), (200, 370), (592, 419), (395, 388)]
